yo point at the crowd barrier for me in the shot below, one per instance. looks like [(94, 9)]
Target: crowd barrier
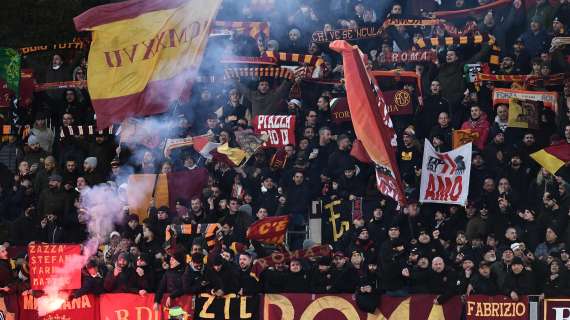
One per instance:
[(289, 306)]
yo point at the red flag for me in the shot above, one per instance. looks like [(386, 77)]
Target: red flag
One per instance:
[(270, 230), (371, 120)]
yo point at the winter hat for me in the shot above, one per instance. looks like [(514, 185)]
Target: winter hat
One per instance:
[(517, 260), (55, 177), (308, 243), (179, 255), (296, 102), (33, 140), (133, 217), (92, 161)]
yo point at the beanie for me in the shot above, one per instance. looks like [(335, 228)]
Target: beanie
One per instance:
[(92, 161)]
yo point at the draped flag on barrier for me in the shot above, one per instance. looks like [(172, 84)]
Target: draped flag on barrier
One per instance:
[(230, 306), (143, 52), (343, 307), (480, 307), (45, 259), (122, 306), (81, 308), (445, 175)]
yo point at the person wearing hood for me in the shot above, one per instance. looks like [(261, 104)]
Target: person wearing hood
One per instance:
[(172, 280), (478, 123), (194, 280), (144, 276)]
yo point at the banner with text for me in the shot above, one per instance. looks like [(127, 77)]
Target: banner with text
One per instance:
[(230, 306), (270, 230), (339, 110), (556, 309), (399, 102), (445, 176), (336, 220), (45, 259), (343, 307), (279, 129), (480, 307), (82, 308), (121, 306), (549, 98)]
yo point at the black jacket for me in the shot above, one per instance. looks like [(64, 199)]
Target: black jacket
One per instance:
[(170, 283), (443, 284), (297, 282), (522, 283), (194, 281)]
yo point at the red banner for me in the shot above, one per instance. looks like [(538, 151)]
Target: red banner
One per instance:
[(480, 307), (45, 259), (343, 307), (122, 306), (279, 129), (82, 308), (270, 230), (556, 309), (399, 102), (339, 110)]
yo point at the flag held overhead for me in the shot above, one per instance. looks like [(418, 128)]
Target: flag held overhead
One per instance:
[(143, 53)]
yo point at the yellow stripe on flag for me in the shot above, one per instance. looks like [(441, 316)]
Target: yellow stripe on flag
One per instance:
[(548, 161), (139, 198), (235, 155)]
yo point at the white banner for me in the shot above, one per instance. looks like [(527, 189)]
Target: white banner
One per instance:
[(445, 176)]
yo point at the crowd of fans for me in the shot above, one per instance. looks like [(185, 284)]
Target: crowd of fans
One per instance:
[(511, 238)]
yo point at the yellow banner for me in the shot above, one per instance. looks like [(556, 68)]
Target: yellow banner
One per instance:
[(127, 54)]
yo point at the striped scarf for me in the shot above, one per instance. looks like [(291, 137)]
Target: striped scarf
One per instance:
[(85, 130), (452, 30), (254, 29), (295, 57), (526, 80), (270, 72), (410, 22), (60, 85), (208, 230), (462, 40)]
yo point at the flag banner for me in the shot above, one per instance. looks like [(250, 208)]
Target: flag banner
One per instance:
[(45, 259), (371, 120), (279, 129), (9, 75), (9, 307), (299, 306), (556, 309), (75, 44), (548, 98), (463, 137), (360, 33), (208, 230), (27, 84), (339, 110), (81, 308), (143, 53), (249, 142), (336, 220), (524, 113), (168, 188), (445, 176), (471, 11), (482, 307), (85, 130), (270, 230), (399, 78), (253, 28), (399, 102), (552, 158), (121, 306), (229, 306), (408, 57), (261, 264), (176, 143), (138, 131), (233, 157)]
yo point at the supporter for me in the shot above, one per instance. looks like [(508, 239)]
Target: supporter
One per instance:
[(442, 281), (483, 282), (296, 279), (91, 280), (519, 281), (172, 279)]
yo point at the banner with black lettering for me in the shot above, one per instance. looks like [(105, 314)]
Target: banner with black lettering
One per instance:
[(279, 129), (336, 220), (445, 176), (481, 307), (230, 306)]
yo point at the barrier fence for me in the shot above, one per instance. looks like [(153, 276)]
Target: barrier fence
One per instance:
[(289, 306)]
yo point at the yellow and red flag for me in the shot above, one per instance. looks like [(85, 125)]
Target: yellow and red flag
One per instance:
[(552, 158), (143, 53), (270, 230)]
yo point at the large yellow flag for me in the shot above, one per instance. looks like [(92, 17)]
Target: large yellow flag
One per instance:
[(143, 53)]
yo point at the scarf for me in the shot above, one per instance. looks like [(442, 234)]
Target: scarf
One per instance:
[(462, 40), (295, 57), (84, 130)]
